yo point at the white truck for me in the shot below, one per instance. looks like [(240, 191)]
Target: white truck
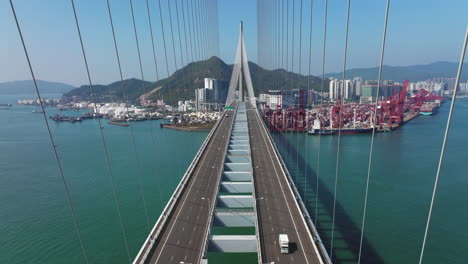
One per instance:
[(284, 243)]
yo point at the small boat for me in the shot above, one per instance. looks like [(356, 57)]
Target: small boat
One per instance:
[(38, 111)]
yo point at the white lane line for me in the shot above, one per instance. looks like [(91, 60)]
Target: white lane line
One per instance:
[(226, 148), (282, 190), (188, 192)]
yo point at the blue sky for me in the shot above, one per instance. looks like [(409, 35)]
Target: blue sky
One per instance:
[(419, 32)]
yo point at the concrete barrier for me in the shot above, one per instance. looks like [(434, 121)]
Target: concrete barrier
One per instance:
[(155, 232), (237, 176), (236, 201), (233, 243), (236, 187), (234, 219)]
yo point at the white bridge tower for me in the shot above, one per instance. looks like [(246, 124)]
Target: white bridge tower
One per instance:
[(241, 68)]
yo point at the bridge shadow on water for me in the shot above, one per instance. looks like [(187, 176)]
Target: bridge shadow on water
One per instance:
[(346, 233)]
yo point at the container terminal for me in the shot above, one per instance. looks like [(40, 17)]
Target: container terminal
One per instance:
[(353, 118)]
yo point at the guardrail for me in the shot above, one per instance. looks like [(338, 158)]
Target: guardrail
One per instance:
[(298, 201), (213, 203), (257, 223), (161, 222), (235, 210)]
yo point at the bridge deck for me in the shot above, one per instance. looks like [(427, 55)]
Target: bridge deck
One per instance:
[(183, 236), (277, 210)]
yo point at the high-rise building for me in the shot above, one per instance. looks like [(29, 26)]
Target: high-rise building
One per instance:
[(338, 88), (213, 93), (203, 96), (210, 83), (387, 89), (299, 98), (274, 99), (312, 97), (450, 84), (334, 88), (357, 85), (220, 91), (348, 89)]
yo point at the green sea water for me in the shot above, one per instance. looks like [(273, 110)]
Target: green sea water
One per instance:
[(36, 226), (401, 183), (35, 221)]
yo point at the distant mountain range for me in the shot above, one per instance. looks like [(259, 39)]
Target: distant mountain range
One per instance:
[(182, 84), (27, 87), (400, 73)]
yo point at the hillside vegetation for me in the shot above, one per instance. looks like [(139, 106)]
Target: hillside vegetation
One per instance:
[(182, 84)]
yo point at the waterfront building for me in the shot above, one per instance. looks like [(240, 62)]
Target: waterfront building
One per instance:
[(185, 106), (213, 94), (387, 89), (274, 99), (431, 86)]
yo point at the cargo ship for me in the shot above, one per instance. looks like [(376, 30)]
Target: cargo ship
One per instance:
[(316, 129), (427, 109)]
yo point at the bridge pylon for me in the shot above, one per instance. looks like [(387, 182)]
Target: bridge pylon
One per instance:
[(240, 72)]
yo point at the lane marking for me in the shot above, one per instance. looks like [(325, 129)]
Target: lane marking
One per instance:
[(227, 129), (319, 255), (188, 193), (282, 190)]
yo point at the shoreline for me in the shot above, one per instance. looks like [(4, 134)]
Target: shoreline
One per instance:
[(187, 128)]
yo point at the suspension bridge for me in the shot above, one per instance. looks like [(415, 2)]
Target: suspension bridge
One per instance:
[(237, 196)]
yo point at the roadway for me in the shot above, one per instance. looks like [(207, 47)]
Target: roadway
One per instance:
[(277, 211), (183, 236)]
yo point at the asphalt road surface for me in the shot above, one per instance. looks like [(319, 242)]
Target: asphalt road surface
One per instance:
[(183, 236), (276, 208)]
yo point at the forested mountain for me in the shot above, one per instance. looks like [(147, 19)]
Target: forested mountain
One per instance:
[(182, 84)]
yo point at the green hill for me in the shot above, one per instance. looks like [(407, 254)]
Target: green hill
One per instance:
[(27, 87), (182, 84), (415, 73)]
